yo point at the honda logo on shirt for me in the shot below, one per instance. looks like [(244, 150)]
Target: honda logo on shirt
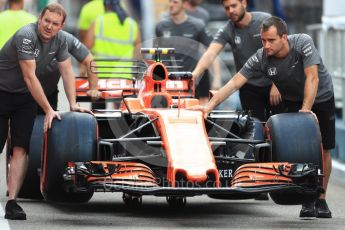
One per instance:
[(237, 40), (272, 71), (166, 33)]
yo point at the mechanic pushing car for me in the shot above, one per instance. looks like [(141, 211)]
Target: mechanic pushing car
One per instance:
[(51, 76), (23, 57), (241, 32), (294, 65)]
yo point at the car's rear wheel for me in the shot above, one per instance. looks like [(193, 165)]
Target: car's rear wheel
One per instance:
[(74, 138), (295, 138)]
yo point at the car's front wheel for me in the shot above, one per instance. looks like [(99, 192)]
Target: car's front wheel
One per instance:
[(73, 139), (295, 138)]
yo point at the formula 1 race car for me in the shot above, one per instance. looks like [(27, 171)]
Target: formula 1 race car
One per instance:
[(154, 145)]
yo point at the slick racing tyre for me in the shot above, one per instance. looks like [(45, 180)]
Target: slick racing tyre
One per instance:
[(295, 138), (74, 138)]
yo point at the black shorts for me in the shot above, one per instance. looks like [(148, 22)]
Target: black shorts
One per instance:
[(17, 112), (256, 99), (325, 112), (53, 101)]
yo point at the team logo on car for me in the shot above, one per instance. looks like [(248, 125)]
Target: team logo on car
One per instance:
[(225, 173), (272, 71)]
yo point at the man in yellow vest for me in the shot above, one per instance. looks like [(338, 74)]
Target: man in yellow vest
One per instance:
[(114, 35), (89, 12), (13, 19)]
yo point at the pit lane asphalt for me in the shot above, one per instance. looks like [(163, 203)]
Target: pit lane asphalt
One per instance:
[(107, 211)]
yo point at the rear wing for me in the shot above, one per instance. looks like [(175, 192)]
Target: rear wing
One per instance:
[(109, 88), (116, 78), (120, 78)]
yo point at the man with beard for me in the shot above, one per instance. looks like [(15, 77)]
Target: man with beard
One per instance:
[(185, 34), (242, 33), (294, 65)]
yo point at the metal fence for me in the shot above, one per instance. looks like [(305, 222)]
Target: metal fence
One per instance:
[(331, 45)]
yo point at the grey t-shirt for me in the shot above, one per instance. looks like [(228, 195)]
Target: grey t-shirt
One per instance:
[(26, 45), (200, 13), (51, 76), (77, 49), (244, 42), (288, 73), (188, 39)]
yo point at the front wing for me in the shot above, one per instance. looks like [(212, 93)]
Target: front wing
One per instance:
[(139, 179)]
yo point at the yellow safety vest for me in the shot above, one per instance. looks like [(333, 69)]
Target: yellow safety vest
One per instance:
[(114, 40), (11, 21), (89, 12)]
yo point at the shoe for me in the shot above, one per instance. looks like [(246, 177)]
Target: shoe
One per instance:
[(308, 210), (13, 211), (262, 196), (322, 210)]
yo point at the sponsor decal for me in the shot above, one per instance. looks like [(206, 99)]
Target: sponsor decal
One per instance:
[(255, 59), (237, 40), (176, 85), (251, 61), (307, 50), (37, 52), (188, 35), (309, 53), (272, 71), (109, 84), (26, 51), (77, 43), (225, 173), (294, 64), (166, 33), (26, 47), (26, 41)]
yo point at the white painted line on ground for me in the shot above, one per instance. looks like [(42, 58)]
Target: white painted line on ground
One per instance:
[(338, 165), (3, 222)]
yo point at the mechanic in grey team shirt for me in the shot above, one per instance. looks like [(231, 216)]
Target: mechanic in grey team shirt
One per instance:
[(186, 34), (193, 9), (242, 33), (296, 68), (50, 77), (26, 55)]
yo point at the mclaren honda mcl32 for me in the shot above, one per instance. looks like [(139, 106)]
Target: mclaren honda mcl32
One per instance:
[(152, 144)]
